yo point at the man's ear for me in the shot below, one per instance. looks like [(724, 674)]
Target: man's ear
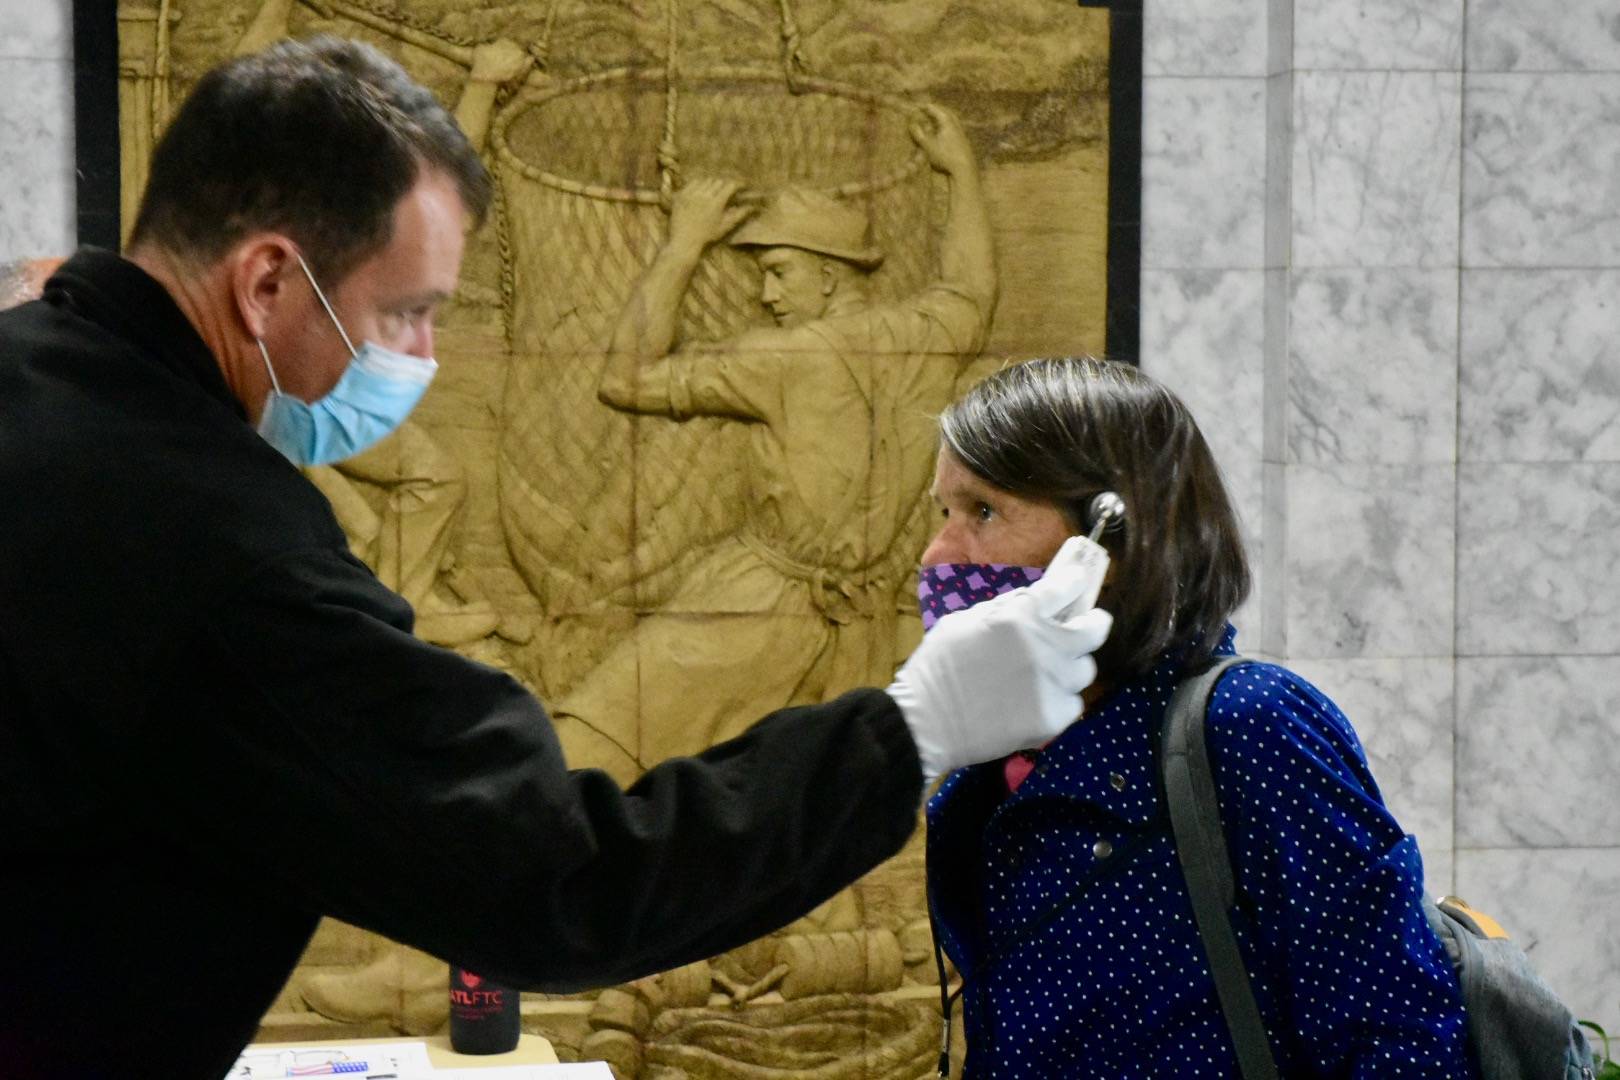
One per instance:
[(829, 277), (260, 269)]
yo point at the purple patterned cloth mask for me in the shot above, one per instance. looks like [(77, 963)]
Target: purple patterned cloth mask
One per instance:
[(951, 587)]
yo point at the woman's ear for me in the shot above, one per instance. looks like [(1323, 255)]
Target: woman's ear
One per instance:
[(258, 269)]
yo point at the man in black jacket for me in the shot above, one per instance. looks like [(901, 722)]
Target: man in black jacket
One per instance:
[(216, 725)]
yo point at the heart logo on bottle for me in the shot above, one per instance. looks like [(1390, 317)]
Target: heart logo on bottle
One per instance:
[(470, 980)]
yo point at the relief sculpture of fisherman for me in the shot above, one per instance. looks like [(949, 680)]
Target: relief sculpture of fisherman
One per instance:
[(839, 398)]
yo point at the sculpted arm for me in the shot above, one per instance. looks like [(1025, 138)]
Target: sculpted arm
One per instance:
[(494, 64), (967, 251), (702, 213), (269, 25)]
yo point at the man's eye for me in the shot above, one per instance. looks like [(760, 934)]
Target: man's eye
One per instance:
[(983, 512)]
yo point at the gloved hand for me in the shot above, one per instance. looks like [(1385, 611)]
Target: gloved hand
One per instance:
[(1007, 673)]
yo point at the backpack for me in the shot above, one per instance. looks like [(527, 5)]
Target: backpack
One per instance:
[(1517, 1027)]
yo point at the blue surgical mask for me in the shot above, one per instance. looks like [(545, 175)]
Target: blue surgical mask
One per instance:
[(375, 394)]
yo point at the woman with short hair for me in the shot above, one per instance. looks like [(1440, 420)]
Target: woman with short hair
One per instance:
[(1053, 878)]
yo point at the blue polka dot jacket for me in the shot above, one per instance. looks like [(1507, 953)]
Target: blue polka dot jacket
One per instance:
[(1064, 905)]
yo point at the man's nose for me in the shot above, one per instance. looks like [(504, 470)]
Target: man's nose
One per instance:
[(420, 342), (768, 292)]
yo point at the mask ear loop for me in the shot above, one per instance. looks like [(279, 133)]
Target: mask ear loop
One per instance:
[(322, 298), (264, 352)]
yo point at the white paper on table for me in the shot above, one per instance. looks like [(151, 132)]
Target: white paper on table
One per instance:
[(276, 1062)]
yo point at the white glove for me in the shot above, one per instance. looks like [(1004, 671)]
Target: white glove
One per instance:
[(1007, 673)]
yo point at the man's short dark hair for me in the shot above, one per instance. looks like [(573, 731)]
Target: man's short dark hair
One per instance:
[(317, 138), (1064, 430)]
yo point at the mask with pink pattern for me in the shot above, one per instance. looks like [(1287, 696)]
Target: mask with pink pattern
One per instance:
[(950, 587)]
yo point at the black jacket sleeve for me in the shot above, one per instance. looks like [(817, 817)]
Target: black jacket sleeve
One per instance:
[(362, 773)]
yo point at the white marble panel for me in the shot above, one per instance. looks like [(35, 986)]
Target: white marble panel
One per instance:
[(1271, 558), (1248, 619), (1378, 35), (1560, 907), (37, 215), (1540, 187), (1543, 35), (1439, 870), (1203, 337), (1203, 173), (1278, 294), (1375, 168), (1535, 741), (1279, 230), (1204, 37), (36, 29), (1373, 366), (1538, 565), (1540, 367), (1369, 560), (1280, 37), (1402, 710)]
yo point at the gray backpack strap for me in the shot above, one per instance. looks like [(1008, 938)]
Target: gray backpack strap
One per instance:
[(1189, 787)]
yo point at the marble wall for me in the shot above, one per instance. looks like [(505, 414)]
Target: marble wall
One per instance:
[(1381, 251), (1381, 256), (37, 213)]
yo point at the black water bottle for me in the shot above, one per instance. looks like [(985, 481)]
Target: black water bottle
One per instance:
[(485, 1017)]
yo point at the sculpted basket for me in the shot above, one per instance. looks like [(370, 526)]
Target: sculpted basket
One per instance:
[(586, 168)]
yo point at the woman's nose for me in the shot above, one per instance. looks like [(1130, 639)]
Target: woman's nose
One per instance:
[(945, 547)]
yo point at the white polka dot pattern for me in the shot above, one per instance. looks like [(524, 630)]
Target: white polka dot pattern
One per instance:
[(1066, 904)]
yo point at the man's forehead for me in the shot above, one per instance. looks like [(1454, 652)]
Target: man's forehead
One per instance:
[(398, 274), (423, 279)]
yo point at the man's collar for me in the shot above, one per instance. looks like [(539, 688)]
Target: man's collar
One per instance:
[(118, 295)]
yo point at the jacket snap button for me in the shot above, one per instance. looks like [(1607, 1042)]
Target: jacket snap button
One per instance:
[(1116, 781), (1102, 849)]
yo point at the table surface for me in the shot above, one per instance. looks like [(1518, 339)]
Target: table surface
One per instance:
[(531, 1050)]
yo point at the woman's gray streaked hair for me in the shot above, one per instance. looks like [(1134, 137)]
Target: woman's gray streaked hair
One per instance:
[(1065, 429)]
